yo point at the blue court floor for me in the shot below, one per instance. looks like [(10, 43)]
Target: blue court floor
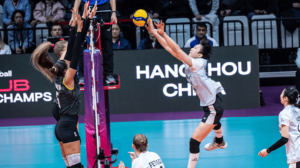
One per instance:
[(36, 146)]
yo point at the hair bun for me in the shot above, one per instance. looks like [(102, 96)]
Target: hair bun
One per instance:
[(53, 70)]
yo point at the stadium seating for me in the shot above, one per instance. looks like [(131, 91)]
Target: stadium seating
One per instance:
[(183, 31), (1, 16), (41, 35), (235, 38), (288, 39), (138, 35), (266, 39), (2, 33)]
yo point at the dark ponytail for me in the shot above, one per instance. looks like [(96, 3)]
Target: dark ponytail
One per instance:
[(292, 94), (206, 50)]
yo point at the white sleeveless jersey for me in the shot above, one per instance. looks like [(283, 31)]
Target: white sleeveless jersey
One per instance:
[(205, 88), (290, 116), (148, 160)]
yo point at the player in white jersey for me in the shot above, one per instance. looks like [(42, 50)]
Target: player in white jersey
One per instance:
[(144, 159), (289, 126), (206, 89)]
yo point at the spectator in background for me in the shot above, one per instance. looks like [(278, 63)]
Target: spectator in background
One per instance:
[(4, 49), (141, 158), (151, 6), (289, 4), (201, 32), (205, 10), (290, 9), (48, 11), (119, 43), (11, 5), (260, 7), (149, 42), (174, 9), (56, 30), (231, 7), (21, 41)]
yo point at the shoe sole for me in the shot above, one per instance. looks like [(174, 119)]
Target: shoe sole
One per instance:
[(209, 149), (223, 147)]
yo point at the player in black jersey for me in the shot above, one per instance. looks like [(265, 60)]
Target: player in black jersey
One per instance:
[(63, 73)]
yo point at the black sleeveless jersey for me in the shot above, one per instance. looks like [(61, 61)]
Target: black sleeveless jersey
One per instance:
[(67, 100)]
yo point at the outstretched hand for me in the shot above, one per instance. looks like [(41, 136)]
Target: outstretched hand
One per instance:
[(79, 23), (86, 10), (73, 20), (93, 13), (150, 26), (160, 27)]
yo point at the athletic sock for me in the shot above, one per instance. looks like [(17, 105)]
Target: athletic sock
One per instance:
[(193, 160), (219, 140)]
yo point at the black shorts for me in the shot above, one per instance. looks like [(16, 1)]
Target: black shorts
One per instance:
[(55, 111), (213, 113), (66, 129), (298, 165)]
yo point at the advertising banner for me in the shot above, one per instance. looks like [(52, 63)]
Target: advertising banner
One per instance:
[(154, 81), (24, 91)]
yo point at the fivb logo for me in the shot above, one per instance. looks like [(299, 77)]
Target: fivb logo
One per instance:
[(6, 74)]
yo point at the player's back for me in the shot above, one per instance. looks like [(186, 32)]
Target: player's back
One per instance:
[(68, 98), (148, 160)]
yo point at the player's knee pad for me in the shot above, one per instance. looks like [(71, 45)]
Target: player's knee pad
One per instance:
[(217, 127), (74, 160), (194, 146)]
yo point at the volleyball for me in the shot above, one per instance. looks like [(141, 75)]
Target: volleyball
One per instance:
[(140, 18)]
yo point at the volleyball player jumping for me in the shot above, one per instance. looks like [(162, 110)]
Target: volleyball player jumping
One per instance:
[(206, 89), (63, 50), (289, 126), (63, 73)]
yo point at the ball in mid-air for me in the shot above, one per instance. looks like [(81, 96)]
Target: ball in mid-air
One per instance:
[(140, 18)]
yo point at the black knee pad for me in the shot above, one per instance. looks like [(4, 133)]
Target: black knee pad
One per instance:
[(194, 146), (217, 126)]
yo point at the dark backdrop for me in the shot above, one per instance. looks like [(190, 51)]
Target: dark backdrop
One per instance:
[(143, 95)]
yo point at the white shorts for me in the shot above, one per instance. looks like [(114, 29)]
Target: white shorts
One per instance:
[(294, 165)]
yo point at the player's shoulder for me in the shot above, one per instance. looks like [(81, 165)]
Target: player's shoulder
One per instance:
[(153, 155), (288, 111)]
